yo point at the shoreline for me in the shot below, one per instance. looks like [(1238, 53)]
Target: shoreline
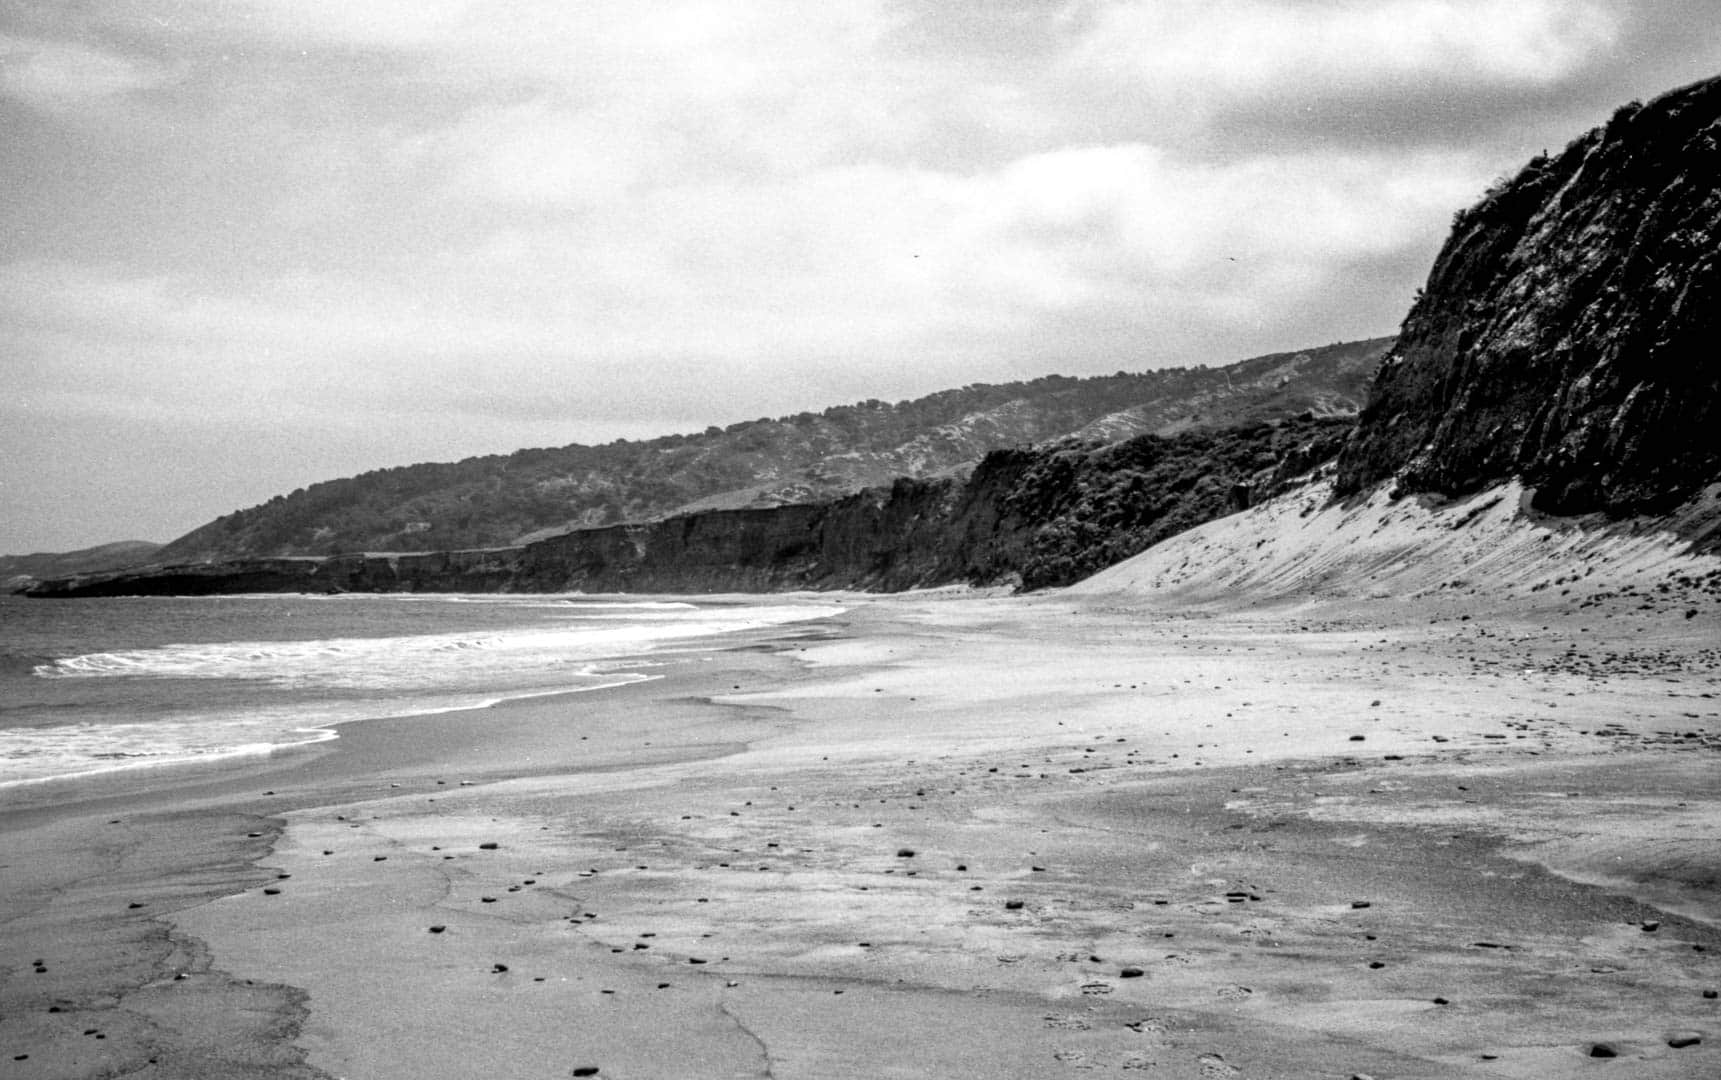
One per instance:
[(1175, 796), (237, 807)]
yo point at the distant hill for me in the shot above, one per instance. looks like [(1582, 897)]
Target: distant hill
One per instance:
[(19, 570), (508, 499)]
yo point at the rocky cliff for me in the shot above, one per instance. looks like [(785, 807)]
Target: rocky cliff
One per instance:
[(1567, 334), (1037, 517), (17, 571)]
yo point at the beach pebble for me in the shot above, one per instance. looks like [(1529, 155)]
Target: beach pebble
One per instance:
[(1130, 973), (1679, 1040), (438, 928), (584, 1070), (489, 845), (1602, 1050), (905, 853), (1012, 905), (1650, 926), (1710, 994), (499, 968), (1360, 904)]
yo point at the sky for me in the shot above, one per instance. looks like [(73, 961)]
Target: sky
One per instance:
[(246, 245)]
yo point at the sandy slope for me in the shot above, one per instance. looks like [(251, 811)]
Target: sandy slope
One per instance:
[(1488, 548)]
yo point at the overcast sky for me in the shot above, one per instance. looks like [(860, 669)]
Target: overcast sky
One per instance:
[(246, 245)]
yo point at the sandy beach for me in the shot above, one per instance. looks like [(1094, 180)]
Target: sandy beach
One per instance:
[(939, 835)]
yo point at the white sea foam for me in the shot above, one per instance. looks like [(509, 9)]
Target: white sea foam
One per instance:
[(424, 660), (35, 756), (187, 703)]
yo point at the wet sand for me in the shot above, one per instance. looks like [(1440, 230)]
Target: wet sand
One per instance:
[(937, 836)]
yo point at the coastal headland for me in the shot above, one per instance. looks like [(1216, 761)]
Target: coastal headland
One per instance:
[(1395, 829)]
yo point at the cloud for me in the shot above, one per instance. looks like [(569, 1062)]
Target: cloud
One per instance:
[(60, 75), (1250, 48), (424, 228)]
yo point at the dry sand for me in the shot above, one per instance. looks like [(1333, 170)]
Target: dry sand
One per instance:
[(1335, 825)]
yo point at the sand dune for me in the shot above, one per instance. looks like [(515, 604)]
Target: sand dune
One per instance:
[(1489, 548)]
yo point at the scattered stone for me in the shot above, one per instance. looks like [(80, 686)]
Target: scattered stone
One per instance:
[(1650, 926), (1603, 1050), (584, 1070), (1358, 905), (1679, 1040), (1130, 973), (489, 845), (1441, 1001), (1016, 905), (905, 853), (499, 968), (438, 928)]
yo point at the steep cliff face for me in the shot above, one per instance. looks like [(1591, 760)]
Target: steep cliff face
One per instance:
[(1568, 332), (1037, 517)]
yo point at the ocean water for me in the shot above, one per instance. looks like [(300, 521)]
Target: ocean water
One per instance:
[(89, 686)]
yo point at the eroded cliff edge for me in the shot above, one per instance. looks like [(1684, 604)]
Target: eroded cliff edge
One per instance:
[(1035, 516), (1568, 330)]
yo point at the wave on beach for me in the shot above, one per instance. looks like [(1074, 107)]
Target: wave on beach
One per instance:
[(197, 701)]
